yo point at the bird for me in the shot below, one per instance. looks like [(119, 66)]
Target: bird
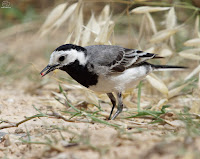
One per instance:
[(108, 69)]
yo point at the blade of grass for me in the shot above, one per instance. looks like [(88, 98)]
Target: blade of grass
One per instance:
[(38, 110), (28, 134), (155, 114), (139, 95), (66, 99), (102, 121), (76, 114)]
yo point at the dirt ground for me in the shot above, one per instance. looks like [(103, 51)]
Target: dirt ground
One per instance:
[(137, 138)]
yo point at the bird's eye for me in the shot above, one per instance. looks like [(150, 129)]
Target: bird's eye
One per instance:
[(61, 58)]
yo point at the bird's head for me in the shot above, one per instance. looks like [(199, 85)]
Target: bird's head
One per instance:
[(63, 56)]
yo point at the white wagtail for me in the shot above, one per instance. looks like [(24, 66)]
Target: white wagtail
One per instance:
[(104, 68)]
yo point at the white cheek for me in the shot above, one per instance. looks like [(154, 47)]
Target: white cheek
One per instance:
[(73, 55), (82, 59), (69, 59)]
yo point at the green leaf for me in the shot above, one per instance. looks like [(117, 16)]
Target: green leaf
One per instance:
[(164, 107)]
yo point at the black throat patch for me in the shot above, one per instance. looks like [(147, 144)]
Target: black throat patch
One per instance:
[(81, 74)]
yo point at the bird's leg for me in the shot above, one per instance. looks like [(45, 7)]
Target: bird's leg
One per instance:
[(113, 100), (120, 105)]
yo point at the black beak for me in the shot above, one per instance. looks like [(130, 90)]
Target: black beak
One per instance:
[(49, 69)]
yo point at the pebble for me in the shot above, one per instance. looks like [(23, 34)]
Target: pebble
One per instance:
[(7, 140), (10, 100), (19, 131)]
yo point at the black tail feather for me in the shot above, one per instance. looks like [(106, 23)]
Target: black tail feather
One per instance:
[(167, 67)]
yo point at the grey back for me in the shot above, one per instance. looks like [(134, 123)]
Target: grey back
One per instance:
[(103, 54)]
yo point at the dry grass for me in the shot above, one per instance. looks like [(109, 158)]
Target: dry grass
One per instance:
[(58, 118)]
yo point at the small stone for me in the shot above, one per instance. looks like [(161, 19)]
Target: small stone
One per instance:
[(178, 123), (19, 131), (61, 156), (2, 134), (7, 140), (10, 100)]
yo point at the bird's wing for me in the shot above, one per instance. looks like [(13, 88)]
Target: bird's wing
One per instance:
[(129, 58), (117, 58)]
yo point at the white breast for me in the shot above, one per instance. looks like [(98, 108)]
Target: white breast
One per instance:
[(120, 81)]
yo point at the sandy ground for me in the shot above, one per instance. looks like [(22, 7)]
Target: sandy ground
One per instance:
[(78, 139)]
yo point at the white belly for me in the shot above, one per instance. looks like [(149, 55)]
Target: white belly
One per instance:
[(120, 81)]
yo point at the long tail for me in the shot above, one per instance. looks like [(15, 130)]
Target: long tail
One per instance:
[(167, 68)]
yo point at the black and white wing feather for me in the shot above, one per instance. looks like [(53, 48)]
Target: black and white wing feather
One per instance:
[(129, 58)]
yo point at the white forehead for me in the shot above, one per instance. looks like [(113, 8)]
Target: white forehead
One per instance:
[(72, 55)]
